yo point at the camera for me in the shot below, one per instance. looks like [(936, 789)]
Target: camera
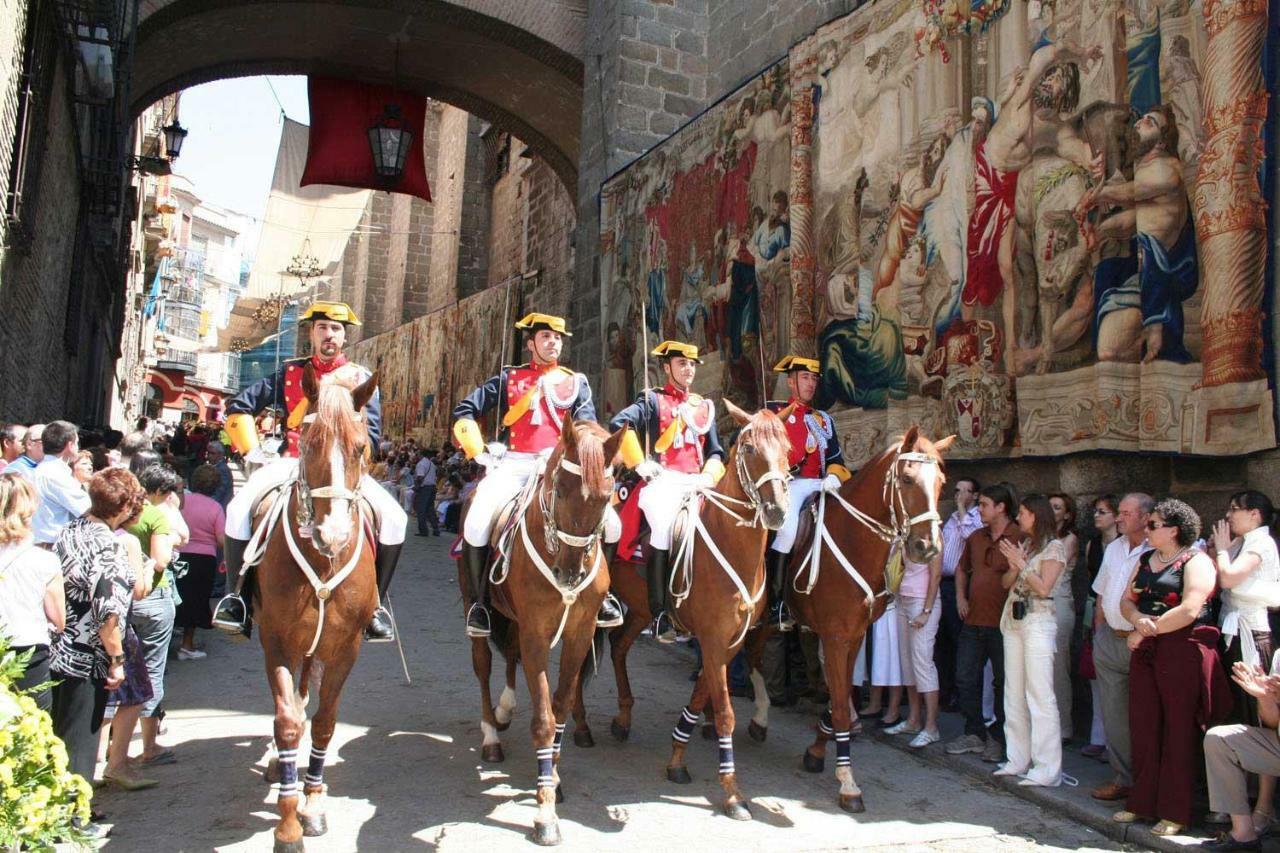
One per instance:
[(1019, 609)]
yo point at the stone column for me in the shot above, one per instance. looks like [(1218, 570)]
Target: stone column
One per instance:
[(1230, 212), (804, 330)]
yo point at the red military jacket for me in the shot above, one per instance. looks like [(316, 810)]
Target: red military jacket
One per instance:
[(534, 418), (814, 446), (293, 393), (684, 455)]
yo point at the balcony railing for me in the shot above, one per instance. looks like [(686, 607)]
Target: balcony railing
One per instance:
[(185, 294), (191, 261), (174, 358)]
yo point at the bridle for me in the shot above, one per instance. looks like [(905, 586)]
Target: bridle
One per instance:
[(754, 501), (895, 532), (307, 494), (555, 536)]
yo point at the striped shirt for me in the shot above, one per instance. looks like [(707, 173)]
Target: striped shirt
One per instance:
[(954, 533)]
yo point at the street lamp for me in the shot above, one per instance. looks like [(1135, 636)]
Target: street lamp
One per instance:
[(389, 141), (174, 135)]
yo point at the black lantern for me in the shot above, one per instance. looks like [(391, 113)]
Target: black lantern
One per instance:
[(389, 142), (174, 135)]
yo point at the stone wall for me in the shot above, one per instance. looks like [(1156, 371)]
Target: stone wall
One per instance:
[(39, 379), (12, 39)]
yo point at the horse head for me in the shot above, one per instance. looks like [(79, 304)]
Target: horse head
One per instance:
[(331, 455), (575, 496), (916, 483), (759, 462)]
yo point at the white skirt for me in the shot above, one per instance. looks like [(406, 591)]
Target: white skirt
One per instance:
[(886, 663)]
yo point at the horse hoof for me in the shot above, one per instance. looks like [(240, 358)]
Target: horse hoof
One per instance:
[(559, 794), (492, 753), (757, 732), (737, 810), (313, 826), (709, 732), (679, 775), (289, 846), (546, 834), (814, 763), (583, 738), (852, 803), (619, 731)]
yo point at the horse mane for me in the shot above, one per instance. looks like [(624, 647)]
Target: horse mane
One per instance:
[(591, 439), (769, 435), (334, 414)]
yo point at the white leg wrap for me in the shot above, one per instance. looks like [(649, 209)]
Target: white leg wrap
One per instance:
[(391, 519), (490, 734), (499, 485), (506, 707), (240, 509), (847, 786), (761, 716)]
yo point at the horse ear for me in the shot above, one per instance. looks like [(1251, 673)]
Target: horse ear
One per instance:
[(612, 445), (569, 436), (944, 444), (364, 391), (909, 440), (738, 415), (310, 387)]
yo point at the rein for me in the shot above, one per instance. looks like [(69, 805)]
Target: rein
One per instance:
[(894, 533), (684, 552)]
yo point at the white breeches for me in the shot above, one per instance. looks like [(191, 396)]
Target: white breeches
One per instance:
[(660, 501), (389, 519), (499, 485), (801, 488)]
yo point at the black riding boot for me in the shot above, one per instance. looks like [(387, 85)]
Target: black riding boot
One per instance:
[(381, 629), (658, 576), (231, 614), (610, 615), (476, 561), (776, 570)]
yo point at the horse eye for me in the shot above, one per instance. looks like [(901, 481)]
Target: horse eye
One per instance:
[(749, 449)]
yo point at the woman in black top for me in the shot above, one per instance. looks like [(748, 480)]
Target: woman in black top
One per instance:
[(1176, 683)]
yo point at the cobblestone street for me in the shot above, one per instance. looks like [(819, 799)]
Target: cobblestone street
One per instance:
[(406, 774)]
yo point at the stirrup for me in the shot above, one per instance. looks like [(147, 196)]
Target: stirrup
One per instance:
[(229, 625), (664, 630), (614, 621), (480, 613), (781, 617)]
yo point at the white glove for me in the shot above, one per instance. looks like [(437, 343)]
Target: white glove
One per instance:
[(831, 484), (706, 481), (648, 469), (496, 449)]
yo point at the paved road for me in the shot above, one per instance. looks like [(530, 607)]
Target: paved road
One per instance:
[(406, 774)]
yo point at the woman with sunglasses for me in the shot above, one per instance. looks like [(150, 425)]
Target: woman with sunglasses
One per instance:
[(1176, 682), (1104, 521)]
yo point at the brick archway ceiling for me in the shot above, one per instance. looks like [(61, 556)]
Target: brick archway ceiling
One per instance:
[(515, 64)]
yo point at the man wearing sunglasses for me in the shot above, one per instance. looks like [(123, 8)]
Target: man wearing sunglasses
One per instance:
[(1110, 652), (32, 451)]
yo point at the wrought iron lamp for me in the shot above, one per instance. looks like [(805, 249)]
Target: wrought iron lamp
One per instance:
[(389, 141)]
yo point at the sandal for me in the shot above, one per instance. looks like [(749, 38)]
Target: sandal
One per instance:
[(1167, 827), (164, 756), (129, 783), (1124, 816)]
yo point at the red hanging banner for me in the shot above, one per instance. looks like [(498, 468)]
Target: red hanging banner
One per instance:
[(338, 152)]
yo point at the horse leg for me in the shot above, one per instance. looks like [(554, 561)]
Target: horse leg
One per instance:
[(289, 723), (482, 664), (839, 671), (546, 826), (620, 642), (573, 658), (676, 770), (717, 678), (312, 815), (506, 707), (758, 728), (581, 730)]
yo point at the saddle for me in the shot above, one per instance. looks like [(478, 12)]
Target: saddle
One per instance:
[(503, 534), (807, 524)]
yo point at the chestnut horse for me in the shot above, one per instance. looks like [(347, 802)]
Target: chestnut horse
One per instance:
[(718, 581), (892, 502), (550, 592), (315, 589)]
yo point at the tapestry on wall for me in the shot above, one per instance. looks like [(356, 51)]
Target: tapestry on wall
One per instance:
[(1037, 225), (430, 363), (696, 240)]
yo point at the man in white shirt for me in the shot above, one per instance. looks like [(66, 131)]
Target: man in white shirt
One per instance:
[(62, 498), (955, 531), (1110, 651), (424, 494)]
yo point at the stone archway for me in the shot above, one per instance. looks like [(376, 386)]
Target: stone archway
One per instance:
[(516, 64)]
